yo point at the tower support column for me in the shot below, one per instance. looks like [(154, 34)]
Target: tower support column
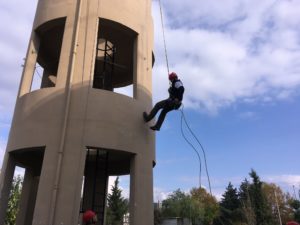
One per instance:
[(28, 197), (7, 175), (141, 191)]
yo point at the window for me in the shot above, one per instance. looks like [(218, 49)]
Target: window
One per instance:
[(49, 37), (114, 58)]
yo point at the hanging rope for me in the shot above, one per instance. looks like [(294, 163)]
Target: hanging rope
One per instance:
[(199, 158), (163, 31), (186, 123)]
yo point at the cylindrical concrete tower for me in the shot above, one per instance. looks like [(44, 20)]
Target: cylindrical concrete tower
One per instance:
[(75, 131)]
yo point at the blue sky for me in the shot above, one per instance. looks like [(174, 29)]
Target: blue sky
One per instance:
[(240, 64), (239, 61)]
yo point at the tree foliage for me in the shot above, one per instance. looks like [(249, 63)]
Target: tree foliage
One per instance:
[(230, 207), (117, 205), (178, 204), (198, 206), (295, 205), (275, 197), (13, 201), (258, 199), (207, 205), (254, 202), (157, 217)]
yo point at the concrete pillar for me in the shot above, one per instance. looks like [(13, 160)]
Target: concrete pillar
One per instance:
[(43, 196), (29, 67), (7, 175), (28, 197), (141, 194)]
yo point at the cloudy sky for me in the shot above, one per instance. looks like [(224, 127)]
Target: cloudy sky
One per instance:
[(240, 64)]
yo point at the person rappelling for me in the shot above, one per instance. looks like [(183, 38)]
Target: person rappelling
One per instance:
[(176, 91)]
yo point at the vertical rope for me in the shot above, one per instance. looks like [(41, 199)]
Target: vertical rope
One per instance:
[(164, 38), (183, 116), (185, 138)]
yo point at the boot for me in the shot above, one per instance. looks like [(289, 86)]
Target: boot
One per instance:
[(145, 116), (155, 128)]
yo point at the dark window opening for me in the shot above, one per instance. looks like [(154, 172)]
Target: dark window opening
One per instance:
[(104, 67), (102, 166), (114, 60), (29, 163), (95, 183), (50, 37)]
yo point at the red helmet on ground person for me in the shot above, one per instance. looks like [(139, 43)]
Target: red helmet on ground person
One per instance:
[(292, 223), (173, 76), (89, 216)]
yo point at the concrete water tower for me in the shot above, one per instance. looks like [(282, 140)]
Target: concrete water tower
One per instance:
[(74, 132)]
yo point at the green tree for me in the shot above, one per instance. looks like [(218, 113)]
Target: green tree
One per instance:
[(230, 198), (295, 204), (230, 207), (207, 206), (248, 213), (13, 201), (117, 205), (198, 206), (259, 202), (178, 204), (297, 216), (286, 212)]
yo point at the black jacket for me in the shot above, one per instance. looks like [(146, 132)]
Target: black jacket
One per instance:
[(176, 90)]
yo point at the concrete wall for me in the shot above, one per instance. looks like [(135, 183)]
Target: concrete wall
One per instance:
[(67, 118)]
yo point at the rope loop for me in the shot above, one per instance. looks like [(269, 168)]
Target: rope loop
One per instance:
[(203, 151)]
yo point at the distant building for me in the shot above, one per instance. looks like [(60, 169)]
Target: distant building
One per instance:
[(176, 221), (157, 205)]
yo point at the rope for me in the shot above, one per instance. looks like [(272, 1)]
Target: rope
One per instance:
[(205, 161), (199, 158), (164, 38)]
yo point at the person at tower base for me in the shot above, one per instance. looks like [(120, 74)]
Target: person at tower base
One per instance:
[(176, 91), (89, 217)]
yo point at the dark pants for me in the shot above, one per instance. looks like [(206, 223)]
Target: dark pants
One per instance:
[(166, 105)]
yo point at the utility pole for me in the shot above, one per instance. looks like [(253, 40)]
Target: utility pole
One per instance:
[(295, 196), (279, 216)]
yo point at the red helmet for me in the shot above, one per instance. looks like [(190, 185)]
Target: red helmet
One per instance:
[(88, 216), (292, 223), (173, 76)]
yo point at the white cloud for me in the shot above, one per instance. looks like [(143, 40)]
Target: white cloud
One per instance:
[(160, 194), (288, 180), (15, 24), (239, 50)]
